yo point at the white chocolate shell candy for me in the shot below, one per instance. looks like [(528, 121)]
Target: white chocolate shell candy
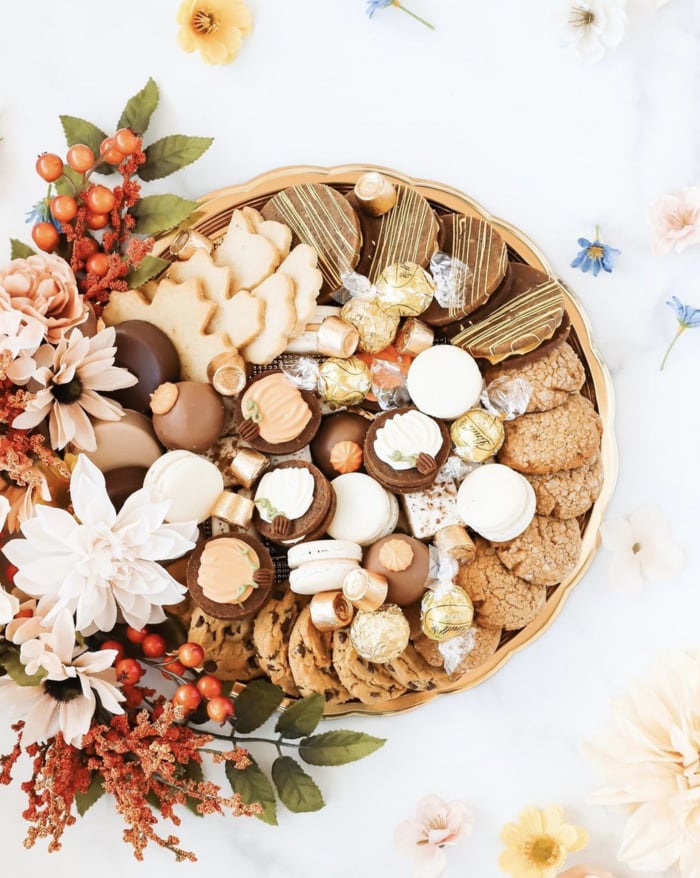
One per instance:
[(190, 482), (403, 437), (364, 511), (496, 502), (444, 381), (288, 492)]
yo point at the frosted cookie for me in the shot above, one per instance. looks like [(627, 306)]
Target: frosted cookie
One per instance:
[(293, 502), (545, 553), (365, 511), (496, 501), (444, 382), (570, 492)]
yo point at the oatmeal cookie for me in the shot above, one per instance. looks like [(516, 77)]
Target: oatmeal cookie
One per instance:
[(311, 661), (545, 442), (570, 492), (228, 643), (271, 630), (368, 682), (501, 599), (545, 553), (552, 378)]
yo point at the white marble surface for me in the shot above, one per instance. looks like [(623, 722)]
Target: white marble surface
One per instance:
[(490, 104)]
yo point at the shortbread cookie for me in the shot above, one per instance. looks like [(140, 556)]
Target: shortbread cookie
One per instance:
[(184, 315), (279, 235), (229, 644), (501, 599), (545, 553), (250, 256), (302, 267), (545, 442), (311, 661), (369, 683), (570, 492), (277, 294), (552, 378), (273, 625)]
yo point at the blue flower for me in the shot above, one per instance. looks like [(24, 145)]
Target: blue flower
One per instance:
[(595, 255), (688, 318), (374, 5), (40, 213)]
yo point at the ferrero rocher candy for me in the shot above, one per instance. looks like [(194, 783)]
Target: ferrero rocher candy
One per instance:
[(344, 381), (380, 636), (477, 435), (405, 289), (376, 326), (446, 613)]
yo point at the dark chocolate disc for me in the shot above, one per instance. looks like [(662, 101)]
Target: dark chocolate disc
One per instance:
[(122, 482), (335, 430), (147, 353)]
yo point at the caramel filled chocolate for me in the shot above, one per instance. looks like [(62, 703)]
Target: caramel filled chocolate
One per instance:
[(327, 446), (147, 353), (189, 415)]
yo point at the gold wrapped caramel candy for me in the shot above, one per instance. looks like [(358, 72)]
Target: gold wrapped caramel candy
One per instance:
[(477, 435), (187, 242), (375, 194), (405, 289), (380, 636), (227, 374), (330, 610), (414, 337), (344, 381), (376, 326), (247, 465), (234, 509), (454, 540), (446, 613), (336, 338)]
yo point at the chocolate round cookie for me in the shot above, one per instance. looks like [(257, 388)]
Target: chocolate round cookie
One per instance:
[(230, 575), (188, 415), (293, 502), (338, 444), (405, 448), (405, 564), (274, 416), (545, 553), (321, 217), (147, 352), (406, 233), (478, 246), (122, 482)]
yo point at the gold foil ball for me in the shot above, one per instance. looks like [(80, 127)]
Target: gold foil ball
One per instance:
[(477, 435), (380, 636), (405, 289), (446, 614), (376, 326), (344, 381)]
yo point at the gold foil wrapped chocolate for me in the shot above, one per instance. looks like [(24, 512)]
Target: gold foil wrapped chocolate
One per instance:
[(454, 541), (336, 338), (227, 374), (186, 243), (330, 610), (380, 636), (376, 326), (344, 381), (413, 337), (375, 194), (234, 509), (446, 613), (405, 289), (477, 435), (365, 590), (247, 465)]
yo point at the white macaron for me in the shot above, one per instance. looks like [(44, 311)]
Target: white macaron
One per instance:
[(316, 576), (444, 381), (323, 550)]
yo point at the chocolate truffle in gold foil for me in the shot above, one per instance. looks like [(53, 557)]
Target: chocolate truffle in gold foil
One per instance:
[(344, 381), (380, 636), (405, 289), (477, 435), (376, 326), (446, 613)]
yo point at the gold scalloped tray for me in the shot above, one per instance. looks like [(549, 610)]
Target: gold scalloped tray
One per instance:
[(212, 218)]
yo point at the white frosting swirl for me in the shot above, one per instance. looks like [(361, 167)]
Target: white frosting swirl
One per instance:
[(288, 491), (403, 437)]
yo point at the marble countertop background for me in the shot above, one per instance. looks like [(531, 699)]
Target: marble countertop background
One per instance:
[(492, 105)]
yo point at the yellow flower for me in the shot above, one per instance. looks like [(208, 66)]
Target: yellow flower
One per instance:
[(539, 843), (215, 28)]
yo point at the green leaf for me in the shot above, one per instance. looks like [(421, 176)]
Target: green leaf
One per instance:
[(79, 130), (20, 250), (160, 213), (302, 717), (169, 154), (295, 788), (149, 267), (139, 109), (85, 801), (70, 183), (338, 747), (252, 786), (256, 703), (9, 660)]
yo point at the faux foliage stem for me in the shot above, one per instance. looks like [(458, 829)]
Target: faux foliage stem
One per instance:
[(681, 330), (413, 15)]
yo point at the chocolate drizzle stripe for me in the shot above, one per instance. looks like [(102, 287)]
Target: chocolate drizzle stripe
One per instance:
[(401, 235)]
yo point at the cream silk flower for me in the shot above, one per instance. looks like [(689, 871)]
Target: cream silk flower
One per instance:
[(437, 824), (214, 28)]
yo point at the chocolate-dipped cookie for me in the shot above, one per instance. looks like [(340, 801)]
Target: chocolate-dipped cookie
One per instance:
[(230, 576), (477, 245), (338, 445), (321, 217), (122, 482), (293, 502), (407, 233), (274, 416), (147, 352), (187, 415), (405, 564), (405, 448)]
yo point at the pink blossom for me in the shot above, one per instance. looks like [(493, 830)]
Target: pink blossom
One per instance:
[(437, 824), (676, 220)]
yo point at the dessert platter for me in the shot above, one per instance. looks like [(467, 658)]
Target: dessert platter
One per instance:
[(387, 416)]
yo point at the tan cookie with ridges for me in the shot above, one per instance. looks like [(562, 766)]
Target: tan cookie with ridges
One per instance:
[(277, 294), (271, 630), (552, 378), (184, 314), (368, 682), (279, 235), (570, 492), (250, 256), (545, 442), (311, 661), (301, 267), (545, 553), (501, 599), (229, 644), (238, 316), (416, 674)]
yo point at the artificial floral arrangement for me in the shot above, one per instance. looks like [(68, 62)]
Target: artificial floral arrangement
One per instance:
[(82, 609)]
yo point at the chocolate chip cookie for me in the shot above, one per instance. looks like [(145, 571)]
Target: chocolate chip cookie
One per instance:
[(273, 625), (311, 661), (228, 643), (570, 492), (368, 682), (545, 553)]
